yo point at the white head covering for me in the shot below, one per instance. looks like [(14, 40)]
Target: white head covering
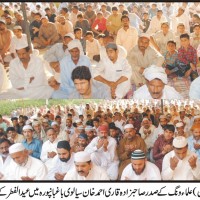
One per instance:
[(179, 124), (17, 27), (78, 121), (71, 35), (28, 122), (45, 120), (180, 142), (75, 44), (162, 117), (35, 123), (145, 119), (153, 72), (82, 156), (128, 126), (196, 117), (16, 148), (145, 35), (89, 128), (21, 45), (29, 127), (54, 123)]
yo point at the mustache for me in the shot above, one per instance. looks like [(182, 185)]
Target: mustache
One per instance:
[(80, 171)]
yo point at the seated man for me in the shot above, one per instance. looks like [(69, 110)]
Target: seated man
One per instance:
[(194, 89), (86, 87), (115, 72), (85, 169), (140, 168), (180, 163), (27, 76), (156, 85), (24, 167)]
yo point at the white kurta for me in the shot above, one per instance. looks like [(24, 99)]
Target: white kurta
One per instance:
[(194, 89), (34, 168), (128, 39), (137, 60), (60, 167), (5, 164), (4, 82), (151, 172), (113, 71), (108, 160), (96, 173), (168, 93), (20, 77), (149, 138), (183, 171)]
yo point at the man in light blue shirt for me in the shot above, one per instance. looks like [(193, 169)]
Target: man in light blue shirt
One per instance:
[(68, 64)]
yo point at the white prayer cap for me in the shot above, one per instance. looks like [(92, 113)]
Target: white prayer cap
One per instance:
[(2, 21), (182, 110), (82, 156), (21, 45), (74, 44), (78, 121), (17, 27), (179, 124), (153, 72), (71, 35), (162, 117), (27, 127), (35, 123), (145, 119), (145, 35), (89, 128), (128, 126), (28, 122), (180, 142), (44, 17), (81, 127), (196, 117), (16, 148), (54, 123)]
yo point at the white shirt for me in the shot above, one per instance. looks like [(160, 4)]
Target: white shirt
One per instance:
[(96, 173), (4, 82), (92, 48), (20, 77), (183, 171), (185, 120), (151, 172), (60, 167), (155, 24), (147, 138), (5, 164), (194, 89), (128, 39), (168, 93), (113, 71), (34, 168)]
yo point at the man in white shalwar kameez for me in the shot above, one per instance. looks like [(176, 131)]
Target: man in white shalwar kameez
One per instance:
[(48, 151), (24, 167), (140, 168), (115, 72), (180, 163), (62, 162), (4, 82), (103, 152), (156, 85), (85, 169), (27, 76), (142, 56)]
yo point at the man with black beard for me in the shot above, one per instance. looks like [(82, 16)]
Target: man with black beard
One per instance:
[(4, 155), (62, 162), (82, 142), (140, 168)]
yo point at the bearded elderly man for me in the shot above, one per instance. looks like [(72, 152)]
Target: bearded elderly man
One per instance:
[(27, 76), (103, 152), (140, 168), (180, 163), (85, 169), (115, 72), (68, 64), (62, 162), (24, 167), (127, 145), (141, 57), (156, 85)]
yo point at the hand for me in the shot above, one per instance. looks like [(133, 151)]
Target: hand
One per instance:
[(31, 79), (100, 143), (51, 154), (30, 151), (59, 177), (173, 162), (132, 147), (196, 146), (167, 71), (21, 88), (27, 178), (105, 144), (141, 70), (192, 66), (193, 161), (126, 178), (187, 74)]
